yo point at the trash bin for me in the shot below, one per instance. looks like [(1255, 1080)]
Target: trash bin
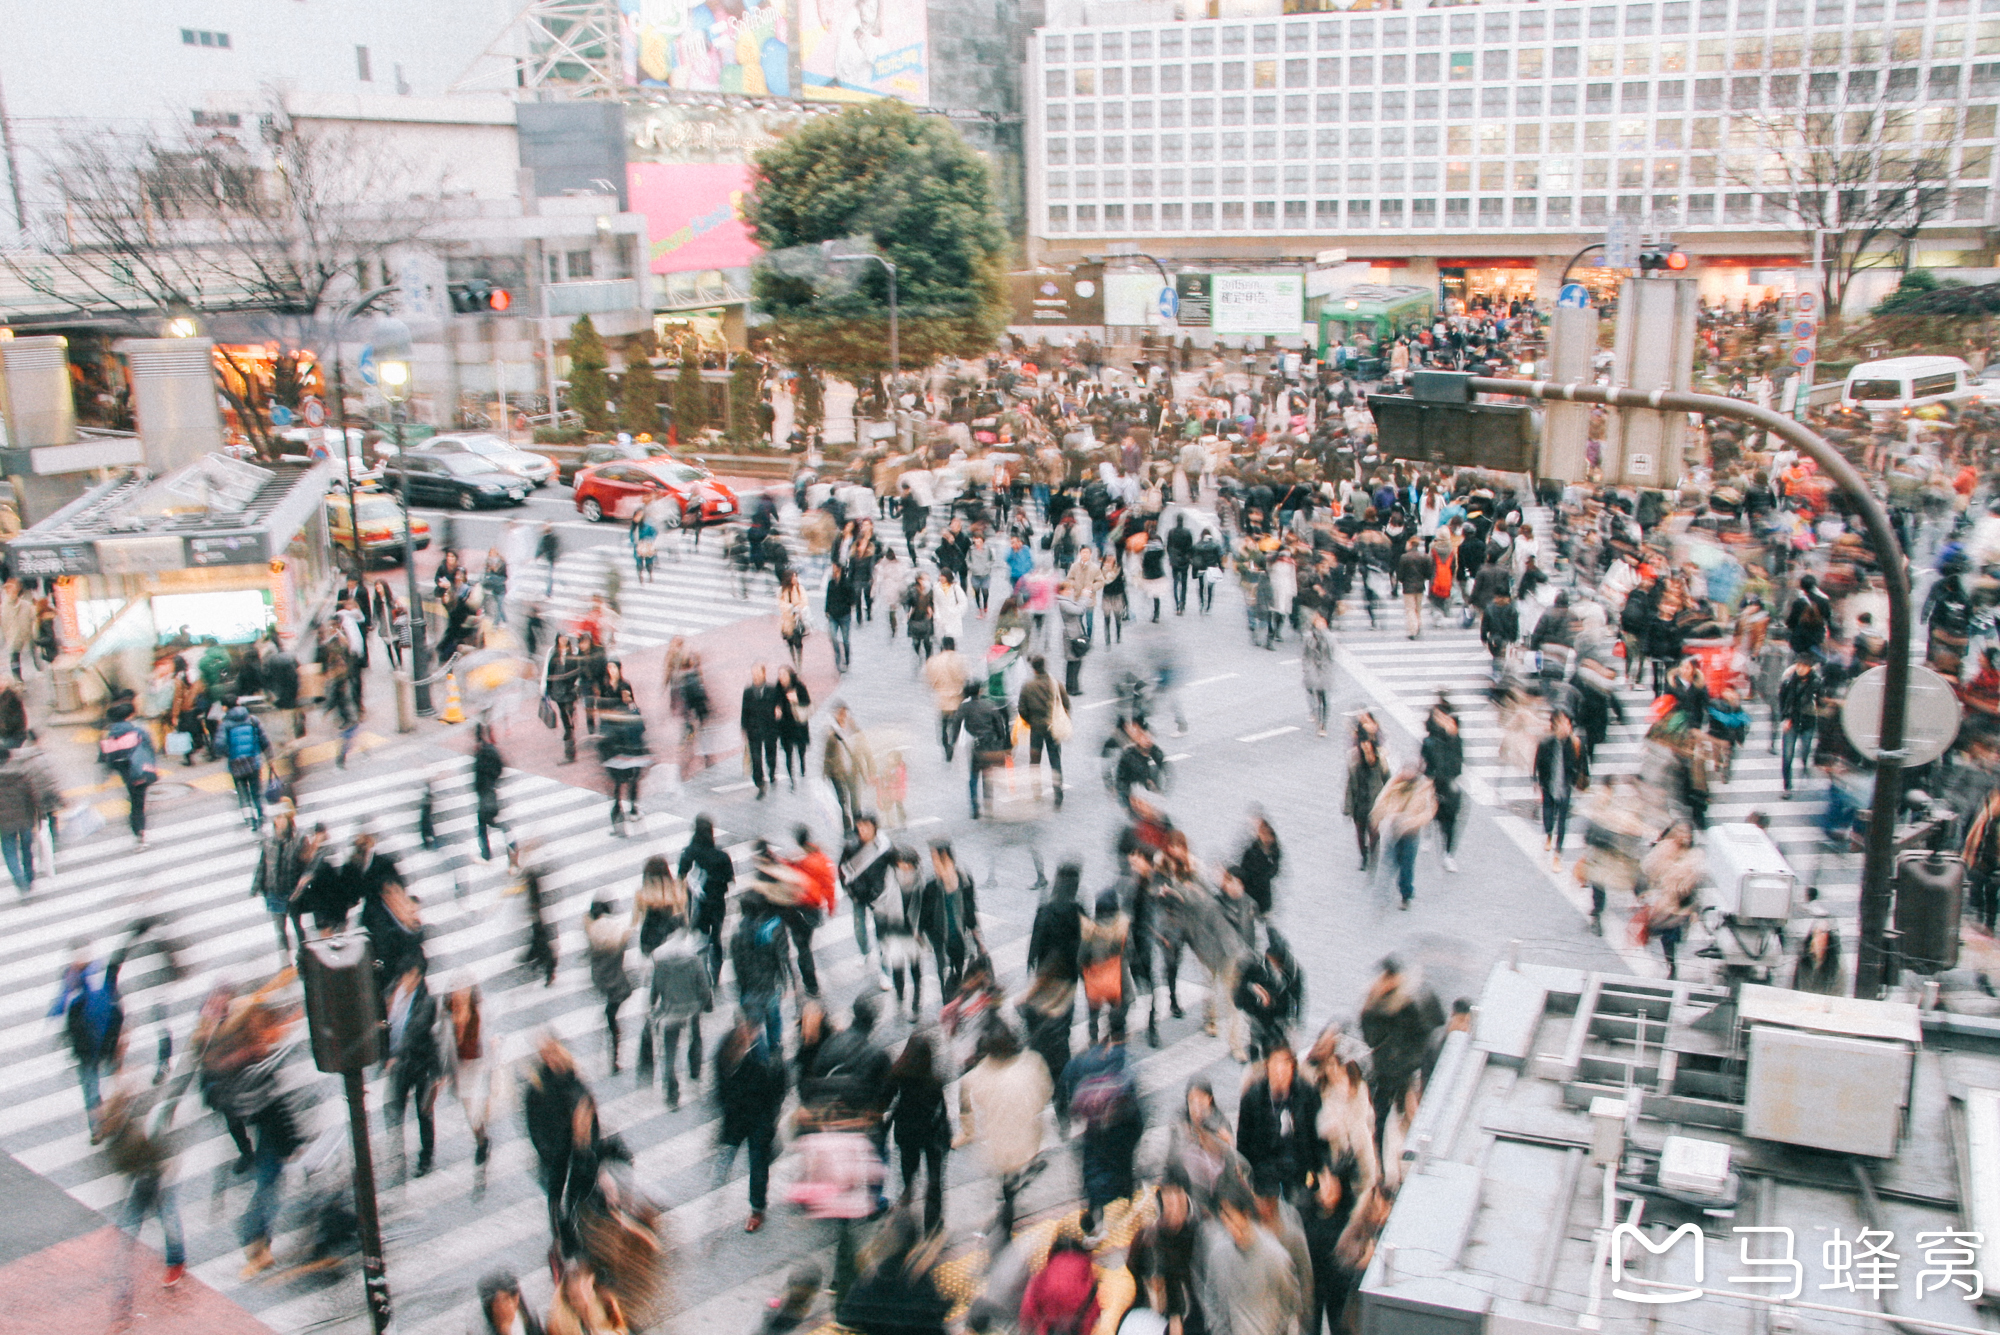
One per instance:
[(62, 682), (406, 702)]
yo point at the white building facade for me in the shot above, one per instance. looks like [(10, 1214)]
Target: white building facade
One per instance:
[(1485, 145)]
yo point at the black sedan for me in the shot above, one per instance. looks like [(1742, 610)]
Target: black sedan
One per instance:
[(467, 481)]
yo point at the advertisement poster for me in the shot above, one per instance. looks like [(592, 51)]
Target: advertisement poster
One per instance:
[(853, 50), (1193, 291), (1073, 298), (714, 46), (694, 214), (1257, 303), (1132, 299)]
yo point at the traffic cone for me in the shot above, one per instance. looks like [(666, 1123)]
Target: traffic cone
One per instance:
[(454, 712)]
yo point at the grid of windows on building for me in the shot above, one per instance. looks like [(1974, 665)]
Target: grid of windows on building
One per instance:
[(1534, 117)]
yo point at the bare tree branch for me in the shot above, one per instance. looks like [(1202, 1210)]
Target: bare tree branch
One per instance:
[(266, 230), (1860, 178)]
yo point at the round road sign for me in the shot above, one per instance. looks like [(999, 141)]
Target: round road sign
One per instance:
[(1802, 356), (314, 410), (1574, 296), (1805, 303), (1930, 720), (1804, 329)]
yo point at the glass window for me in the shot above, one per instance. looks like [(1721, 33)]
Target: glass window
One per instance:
[(1458, 140), (1086, 151), (1492, 176), (1085, 46), (1201, 42), (1232, 217), (1058, 151), (1461, 66), (1667, 172), (1749, 53), (1493, 141), (1979, 122), (1233, 39), (1527, 176), (1596, 136), (1457, 175), (1298, 37), (1703, 170), (1569, 24), (1264, 74), (1201, 148), (1264, 39), (1395, 105), (1395, 69), (1055, 83), (1361, 106), (1058, 119), (1596, 173), (1786, 51), (1361, 69), (1361, 34), (1086, 116), (1631, 173), (1710, 55), (1329, 36), (1527, 138), (1360, 143), (1528, 64), (1603, 21), (1867, 48), (1428, 67), (1085, 83), (1172, 78), (1055, 50), (1667, 135), (1298, 73), (1494, 66), (1424, 106), (1171, 113), (1328, 73), (1705, 132), (1638, 58), (1603, 59), (1114, 115), (1423, 212), (1142, 80), (1395, 32), (1232, 111), (1562, 138), (1424, 141), (1170, 45), (1499, 27), (1111, 46), (1142, 46), (1565, 62), (1989, 39), (1233, 75), (1560, 174), (1909, 44), (1112, 83)]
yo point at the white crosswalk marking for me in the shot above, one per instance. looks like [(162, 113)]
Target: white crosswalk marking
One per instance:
[(194, 878)]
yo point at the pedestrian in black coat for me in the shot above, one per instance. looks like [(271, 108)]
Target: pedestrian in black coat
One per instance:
[(1277, 1126), (1258, 866), (750, 1092), (920, 1123)]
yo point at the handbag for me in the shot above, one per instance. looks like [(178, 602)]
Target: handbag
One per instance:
[(274, 788), (547, 713), (1104, 981), (1059, 721), (1079, 646), (179, 743)]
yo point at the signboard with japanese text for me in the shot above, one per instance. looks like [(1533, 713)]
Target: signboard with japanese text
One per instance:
[(1244, 303)]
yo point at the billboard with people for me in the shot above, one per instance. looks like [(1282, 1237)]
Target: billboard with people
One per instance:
[(708, 46), (860, 49)]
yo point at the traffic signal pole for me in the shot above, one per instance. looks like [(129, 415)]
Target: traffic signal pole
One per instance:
[(1879, 865)]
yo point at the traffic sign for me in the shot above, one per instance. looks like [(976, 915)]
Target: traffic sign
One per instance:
[(1573, 297), (1930, 721), (280, 415), (1803, 355), (1170, 304), (314, 410), (365, 366), (1806, 303), (1804, 329), (1621, 244), (1784, 326)]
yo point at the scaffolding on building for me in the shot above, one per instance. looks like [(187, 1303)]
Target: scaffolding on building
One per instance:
[(568, 45)]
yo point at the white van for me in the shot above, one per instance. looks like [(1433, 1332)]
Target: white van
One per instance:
[(1900, 384)]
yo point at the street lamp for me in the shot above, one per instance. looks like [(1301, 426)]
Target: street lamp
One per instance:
[(895, 345), (392, 370)]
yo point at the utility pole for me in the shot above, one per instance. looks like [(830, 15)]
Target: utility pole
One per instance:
[(1879, 865)]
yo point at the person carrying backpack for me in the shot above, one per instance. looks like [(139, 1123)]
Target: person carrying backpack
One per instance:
[(1102, 1094), (127, 751), (245, 746)]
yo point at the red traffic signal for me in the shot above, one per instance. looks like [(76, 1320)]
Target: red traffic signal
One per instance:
[(501, 298), (1676, 259), (1655, 258), (475, 295)]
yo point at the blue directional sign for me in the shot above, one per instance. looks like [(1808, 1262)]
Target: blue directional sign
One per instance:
[(1573, 297), (280, 415), (366, 366), (1170, 304)]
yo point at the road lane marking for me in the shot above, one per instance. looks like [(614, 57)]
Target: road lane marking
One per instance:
[(1267, 735)]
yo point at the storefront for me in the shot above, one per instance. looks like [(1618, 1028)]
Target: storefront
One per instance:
[(270, 376), (221, 548), (1466, 284)]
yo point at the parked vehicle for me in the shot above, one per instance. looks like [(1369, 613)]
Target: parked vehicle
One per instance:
[(464, 480), (1904, 384), (616, 490), (381, 526), (535, 468)]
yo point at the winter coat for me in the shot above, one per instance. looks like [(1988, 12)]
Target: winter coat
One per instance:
[(1000, 1105), (749, 1089), (761, 954), (278, 869), (28, 791), (1280, 1139), (1365, 780), (607, 937), (680, 987)]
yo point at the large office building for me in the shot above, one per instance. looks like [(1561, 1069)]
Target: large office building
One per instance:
[(1481, 147)]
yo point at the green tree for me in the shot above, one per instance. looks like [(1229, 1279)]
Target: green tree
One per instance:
[(746, 380), (589, 378), (639, 396), (690, 398), (910, 184), (811, 398)]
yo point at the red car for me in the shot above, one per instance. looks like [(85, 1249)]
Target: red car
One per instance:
[(617, 490)]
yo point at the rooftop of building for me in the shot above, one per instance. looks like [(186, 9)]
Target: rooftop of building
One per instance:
[(1504, 1223)]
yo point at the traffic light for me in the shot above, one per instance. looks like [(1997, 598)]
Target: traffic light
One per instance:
[(1655, 258), (476, 295), (343, 1007)]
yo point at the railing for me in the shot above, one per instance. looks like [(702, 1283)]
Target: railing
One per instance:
[(591, 297)]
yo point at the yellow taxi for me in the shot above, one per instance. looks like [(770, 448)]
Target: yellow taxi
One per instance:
[(381, 526)]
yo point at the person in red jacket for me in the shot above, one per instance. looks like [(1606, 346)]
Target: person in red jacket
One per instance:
[(1062, 1300), (815, 877)]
